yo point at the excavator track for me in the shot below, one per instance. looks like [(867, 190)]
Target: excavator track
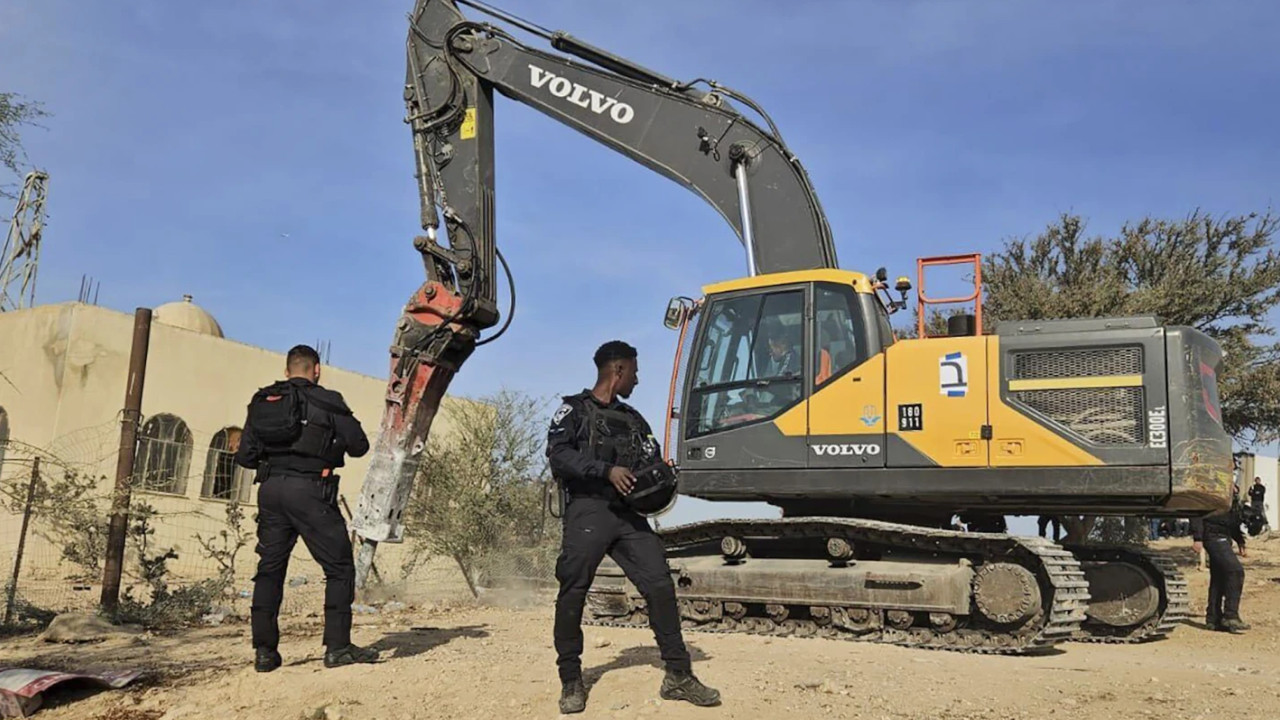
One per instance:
[(1056, 613), (1160, 600)]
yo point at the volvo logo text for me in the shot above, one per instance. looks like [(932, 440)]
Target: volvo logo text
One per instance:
[(846, 449), (581, 95)]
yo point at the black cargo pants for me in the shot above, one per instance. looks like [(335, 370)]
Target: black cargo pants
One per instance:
[(289, 506), (593, 529), (1226, 580)]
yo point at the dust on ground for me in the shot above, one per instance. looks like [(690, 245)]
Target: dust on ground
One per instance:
[(467, 661)]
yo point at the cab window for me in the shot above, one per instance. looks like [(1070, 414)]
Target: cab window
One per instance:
[(839, 332), (887, 336), (750, 366)]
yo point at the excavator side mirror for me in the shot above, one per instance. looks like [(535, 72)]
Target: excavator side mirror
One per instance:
[(677, 309), (882, 275)]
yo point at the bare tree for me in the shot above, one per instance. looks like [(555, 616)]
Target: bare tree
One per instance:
[(15, 112)]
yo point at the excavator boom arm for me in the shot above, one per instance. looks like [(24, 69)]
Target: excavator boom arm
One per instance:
[(695, 138)]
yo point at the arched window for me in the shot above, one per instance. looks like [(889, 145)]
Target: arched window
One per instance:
[(164, 455), (4, 436), (223, 479)]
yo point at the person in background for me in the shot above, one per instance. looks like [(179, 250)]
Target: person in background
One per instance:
[(1213, 535), (1257, 493), (1045, 520)]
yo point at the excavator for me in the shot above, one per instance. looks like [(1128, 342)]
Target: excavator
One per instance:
[(791, 387)]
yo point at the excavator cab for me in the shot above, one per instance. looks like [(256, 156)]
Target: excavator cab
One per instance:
[(754, 351), (768, 344)]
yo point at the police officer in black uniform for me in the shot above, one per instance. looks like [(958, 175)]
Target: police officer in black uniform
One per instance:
[(1257, 493), (595, 445), (1214, 534), (296, 435)]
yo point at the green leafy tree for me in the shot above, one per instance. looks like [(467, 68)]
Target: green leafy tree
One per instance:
[(15, 112)]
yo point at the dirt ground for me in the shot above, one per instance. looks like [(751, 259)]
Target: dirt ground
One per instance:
[(497, 662)]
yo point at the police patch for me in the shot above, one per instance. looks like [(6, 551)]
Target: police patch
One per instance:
[(650, 446), (561, 412)]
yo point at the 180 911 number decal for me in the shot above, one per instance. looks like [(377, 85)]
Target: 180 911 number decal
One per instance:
[(910, 418)]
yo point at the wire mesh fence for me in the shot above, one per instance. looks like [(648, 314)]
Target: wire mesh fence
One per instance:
[(49, 550), (190, 543)]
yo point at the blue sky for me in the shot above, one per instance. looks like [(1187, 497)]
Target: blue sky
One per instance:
[(187, 138)]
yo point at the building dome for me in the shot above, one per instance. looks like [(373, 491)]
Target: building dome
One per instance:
[(188, 316)]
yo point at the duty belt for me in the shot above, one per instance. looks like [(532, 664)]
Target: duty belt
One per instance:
[(589, 491), (314, 475)]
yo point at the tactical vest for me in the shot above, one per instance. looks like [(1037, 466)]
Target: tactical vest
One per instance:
[(619, 437), (616, 436)]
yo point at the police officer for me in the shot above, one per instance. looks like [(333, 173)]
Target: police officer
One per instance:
[(295, 436), (594, 445), (1213, 535), (1257, 493)]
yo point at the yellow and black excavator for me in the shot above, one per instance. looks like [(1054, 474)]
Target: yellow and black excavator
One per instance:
[(790, 387)]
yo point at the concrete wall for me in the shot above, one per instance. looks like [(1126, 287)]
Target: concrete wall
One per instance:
[(66, 367), (34, 345)]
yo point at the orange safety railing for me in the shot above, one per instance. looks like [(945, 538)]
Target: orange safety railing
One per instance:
[(975, 297)]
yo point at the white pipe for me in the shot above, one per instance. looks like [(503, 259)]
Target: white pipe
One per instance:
[(744, 200)]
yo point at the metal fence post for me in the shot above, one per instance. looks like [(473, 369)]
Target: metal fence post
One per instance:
[(22, 539), (114, 565)]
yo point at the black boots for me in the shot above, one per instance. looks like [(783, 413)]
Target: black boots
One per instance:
[(1233, 625), (266, 660), (675, 686), (684, 686), (573, 697), (349, 655)]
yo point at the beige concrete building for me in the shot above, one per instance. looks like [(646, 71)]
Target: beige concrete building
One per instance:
[(64, 371)]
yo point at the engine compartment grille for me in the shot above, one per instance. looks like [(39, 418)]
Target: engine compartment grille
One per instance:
[(1103, 416), (1099, 415), (1092, 362)]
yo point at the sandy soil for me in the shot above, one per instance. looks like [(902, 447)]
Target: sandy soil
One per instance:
[(497, 662)]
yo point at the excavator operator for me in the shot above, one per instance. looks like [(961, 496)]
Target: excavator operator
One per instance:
[(784, 356), (781, 362), (594, 445)]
